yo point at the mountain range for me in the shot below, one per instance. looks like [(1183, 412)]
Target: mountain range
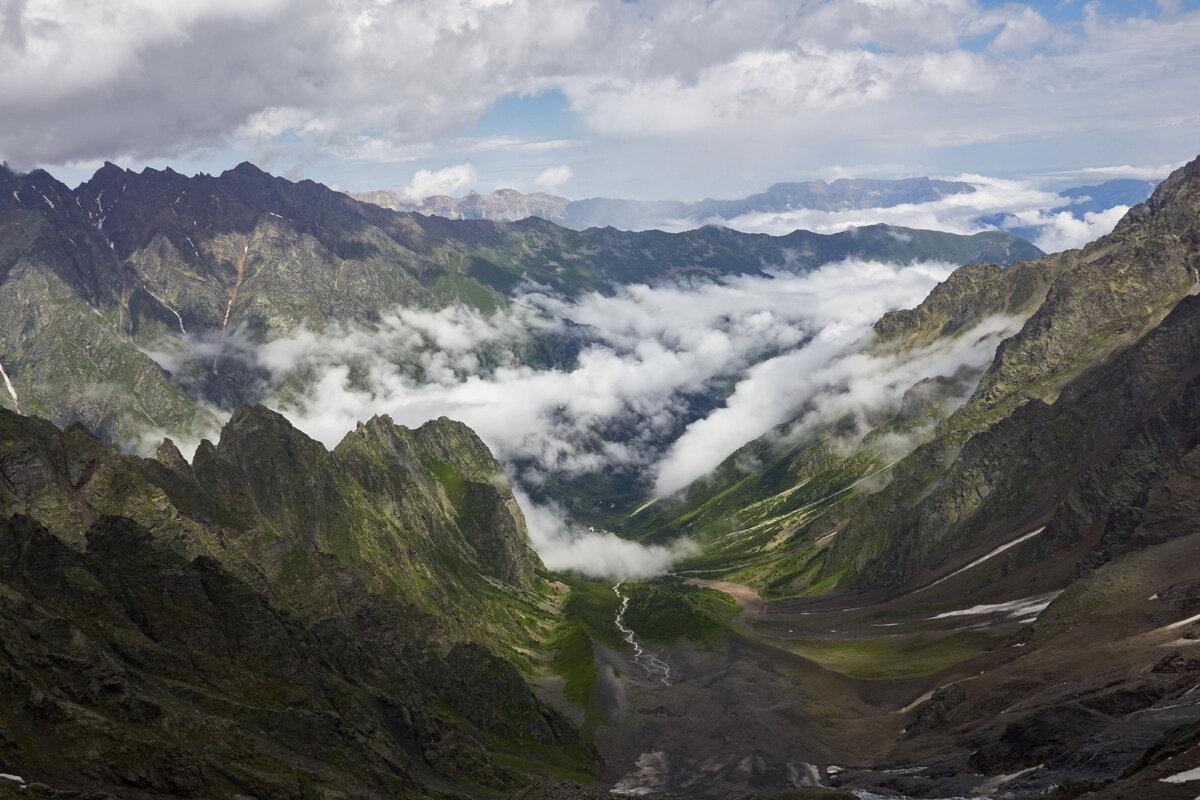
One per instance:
[(599, 212), (843, 194), (985, 587), (92, 279)]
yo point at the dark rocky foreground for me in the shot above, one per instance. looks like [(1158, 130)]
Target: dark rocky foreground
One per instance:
[(273, 620)]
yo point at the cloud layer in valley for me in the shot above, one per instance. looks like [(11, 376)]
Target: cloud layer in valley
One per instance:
[(835, 384), (596, 553), (647, 349), (757, 351)]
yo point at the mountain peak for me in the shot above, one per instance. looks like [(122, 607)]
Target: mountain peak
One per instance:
[(1179, 187), (255, 427), (247, 169)]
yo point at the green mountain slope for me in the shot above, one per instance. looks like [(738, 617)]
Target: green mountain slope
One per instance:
[(1061, 394), (1082, 372), (1006, 609), (273, 618)]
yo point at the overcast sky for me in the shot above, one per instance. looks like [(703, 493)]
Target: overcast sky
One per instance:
[(649, 99)]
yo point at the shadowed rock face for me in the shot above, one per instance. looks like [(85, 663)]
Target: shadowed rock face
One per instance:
[(271, 620), (1083, 418)]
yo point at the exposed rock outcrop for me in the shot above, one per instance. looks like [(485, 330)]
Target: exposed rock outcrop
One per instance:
[(1083, 419), (272, 619)]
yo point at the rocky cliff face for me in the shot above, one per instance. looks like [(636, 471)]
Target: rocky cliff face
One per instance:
[(63, 348), (271, 620), (1067, 408), (267, 500)]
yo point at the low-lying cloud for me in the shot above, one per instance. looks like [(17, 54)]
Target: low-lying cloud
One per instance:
[(760, 349), (596, 553), (831, 380), (996, 203), (1063, 230), (647, 349)]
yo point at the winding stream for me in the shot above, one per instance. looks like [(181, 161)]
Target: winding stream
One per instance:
[(651, 664)]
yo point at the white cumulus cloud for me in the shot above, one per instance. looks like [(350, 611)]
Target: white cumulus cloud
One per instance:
[(553, 177), (1063, 231), (594, 553), (770, 88), (426, 183)]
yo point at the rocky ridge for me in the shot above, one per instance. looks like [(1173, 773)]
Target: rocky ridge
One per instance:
[(1060, 395), (599, 212), (273, 619), (274, 505)]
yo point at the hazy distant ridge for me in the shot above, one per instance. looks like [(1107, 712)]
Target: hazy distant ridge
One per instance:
[(598, 212)]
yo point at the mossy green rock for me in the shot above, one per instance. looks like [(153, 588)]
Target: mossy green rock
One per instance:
[(271, 620)]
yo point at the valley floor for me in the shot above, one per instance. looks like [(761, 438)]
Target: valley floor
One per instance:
[(955, 688)]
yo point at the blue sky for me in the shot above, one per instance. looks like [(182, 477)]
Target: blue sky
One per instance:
[(676, 99)]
